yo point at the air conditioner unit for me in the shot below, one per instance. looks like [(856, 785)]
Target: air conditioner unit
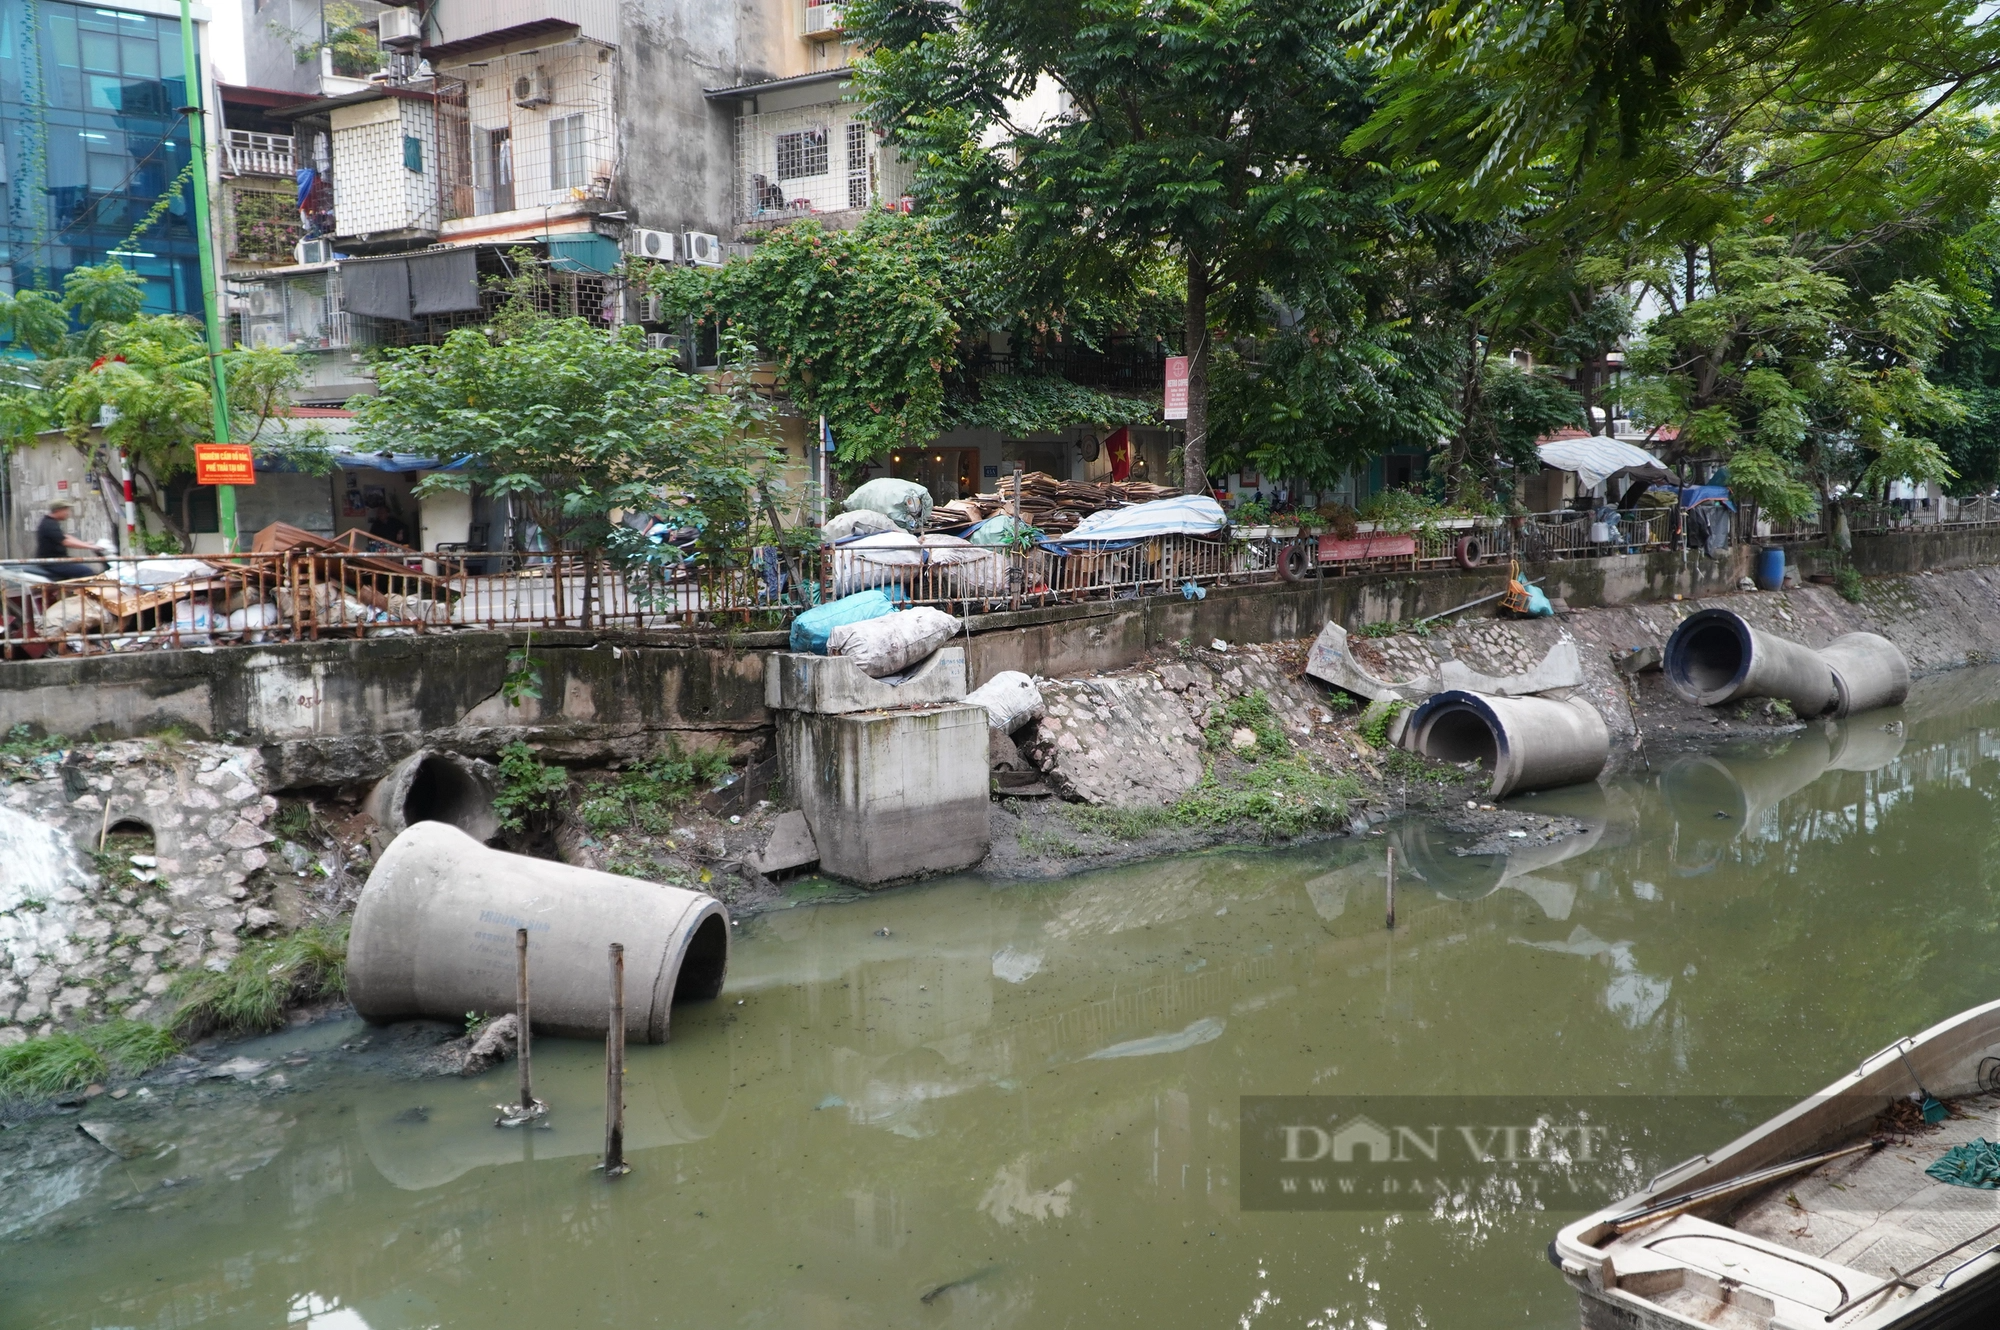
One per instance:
[(652, 307), (704, 249), (313, 251), (663, 341), (538, 91), (651, 244), (400, 27)]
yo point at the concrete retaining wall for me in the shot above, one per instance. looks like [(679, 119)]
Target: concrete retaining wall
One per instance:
[(337, 712)]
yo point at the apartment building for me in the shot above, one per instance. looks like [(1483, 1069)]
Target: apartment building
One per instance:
[(580, 129), (91, 137)]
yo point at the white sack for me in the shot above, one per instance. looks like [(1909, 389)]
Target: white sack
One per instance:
[(894, 642), (860, 522), (1010, 698)]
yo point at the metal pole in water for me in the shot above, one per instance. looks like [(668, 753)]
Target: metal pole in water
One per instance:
[(614, 1071), (521, 1019), (1392, 886)]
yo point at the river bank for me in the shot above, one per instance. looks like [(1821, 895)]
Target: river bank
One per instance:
[(1197, 746)]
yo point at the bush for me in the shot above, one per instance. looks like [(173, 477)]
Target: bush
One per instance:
[(646, 796), (265, 978), (528, 786)]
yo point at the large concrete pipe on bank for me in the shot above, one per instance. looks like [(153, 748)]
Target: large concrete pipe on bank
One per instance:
[(431, 785), (1715, 657), (1869, 672), (433, 936), (1528, 743)]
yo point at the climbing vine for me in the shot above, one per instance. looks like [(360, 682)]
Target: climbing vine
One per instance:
[(860, 323)]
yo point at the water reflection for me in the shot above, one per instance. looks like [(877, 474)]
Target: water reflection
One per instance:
[(1009, 1106)]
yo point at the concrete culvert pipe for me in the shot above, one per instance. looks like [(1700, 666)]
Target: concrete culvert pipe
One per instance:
[(1869, 671), (1528, 743), (434, 786), (433, 936), (1715, 657)]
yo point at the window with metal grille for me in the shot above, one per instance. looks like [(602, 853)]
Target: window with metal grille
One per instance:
[(568, 165), (857, 165), (802, 153)]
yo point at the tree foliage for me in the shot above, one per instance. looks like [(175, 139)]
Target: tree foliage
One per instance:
[(1211, 133), (115, 379), (577, 424)]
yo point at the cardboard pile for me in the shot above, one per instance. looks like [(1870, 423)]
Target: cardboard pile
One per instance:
[(1047, 503)]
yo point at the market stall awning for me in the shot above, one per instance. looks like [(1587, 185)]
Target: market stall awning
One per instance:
[(1596, 458)]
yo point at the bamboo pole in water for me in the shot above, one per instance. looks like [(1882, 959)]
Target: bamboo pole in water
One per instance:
[(521, 1019), (614, 1071)]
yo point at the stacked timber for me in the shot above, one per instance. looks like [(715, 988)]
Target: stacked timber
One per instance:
[(1047, 503)]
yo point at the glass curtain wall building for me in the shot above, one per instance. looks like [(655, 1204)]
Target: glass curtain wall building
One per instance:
[(91, 137)]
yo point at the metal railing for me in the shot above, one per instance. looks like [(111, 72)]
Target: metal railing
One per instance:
[(251, 153), (167, 603)]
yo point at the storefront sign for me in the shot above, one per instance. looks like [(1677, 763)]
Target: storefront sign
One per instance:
[(1177, 387), (223, 464)]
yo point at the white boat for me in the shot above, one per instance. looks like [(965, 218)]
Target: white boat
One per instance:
[(1820, 1219)]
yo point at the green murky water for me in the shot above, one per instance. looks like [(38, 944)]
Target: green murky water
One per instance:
[(882, 1118)]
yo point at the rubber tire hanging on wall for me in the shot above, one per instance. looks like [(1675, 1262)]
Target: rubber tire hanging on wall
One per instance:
[(1470, 551), (1293, 563)]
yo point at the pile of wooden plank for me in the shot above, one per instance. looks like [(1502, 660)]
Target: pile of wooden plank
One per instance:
[(1050, 504)]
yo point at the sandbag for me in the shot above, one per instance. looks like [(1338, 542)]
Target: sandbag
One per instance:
[(812, 628), (860, 522), (998, 530), (892, 643), (1011, 700), (904, 502)]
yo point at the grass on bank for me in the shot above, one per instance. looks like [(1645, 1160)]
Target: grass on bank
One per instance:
[(249, 996)]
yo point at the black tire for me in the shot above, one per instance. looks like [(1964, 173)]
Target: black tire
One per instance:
[(1470, 551), (1293, 565)]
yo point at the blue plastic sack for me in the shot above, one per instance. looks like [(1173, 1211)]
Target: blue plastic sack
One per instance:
[(1538, 604), (811, 629)]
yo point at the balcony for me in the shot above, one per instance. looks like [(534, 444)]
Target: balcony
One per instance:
[(260, 154), (821, 22)]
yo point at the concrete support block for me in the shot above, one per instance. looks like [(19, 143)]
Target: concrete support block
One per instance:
[(834, 685), (890, 794), (790, 846)]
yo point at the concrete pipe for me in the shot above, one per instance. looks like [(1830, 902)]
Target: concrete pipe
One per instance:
[(1528, 743), (434, 936), (434, 786), (1715, 657), (1869, 671)]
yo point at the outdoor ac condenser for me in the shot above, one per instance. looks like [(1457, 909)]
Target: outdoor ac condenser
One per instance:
[(652, 244), (400, 27), (704, 249)]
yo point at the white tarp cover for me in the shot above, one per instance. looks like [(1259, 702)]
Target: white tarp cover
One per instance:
[(1183, 515), (1597, 458)]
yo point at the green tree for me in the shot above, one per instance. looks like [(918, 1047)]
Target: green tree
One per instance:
[(577, 423), (1806, 383), (116, 380), (1210, 134)]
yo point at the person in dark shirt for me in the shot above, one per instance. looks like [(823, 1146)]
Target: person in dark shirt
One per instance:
[(387, 525), (52, 542)]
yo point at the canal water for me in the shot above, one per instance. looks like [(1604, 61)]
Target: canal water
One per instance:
[(975, 1104)]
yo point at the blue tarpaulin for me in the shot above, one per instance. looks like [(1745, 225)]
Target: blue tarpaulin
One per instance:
[(1184, 515)]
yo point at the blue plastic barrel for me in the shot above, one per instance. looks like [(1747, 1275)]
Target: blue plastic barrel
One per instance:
[(1770, 574)]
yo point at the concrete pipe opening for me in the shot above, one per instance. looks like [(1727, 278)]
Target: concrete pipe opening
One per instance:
[(1716, 657), (433, 936), (434, 786), (1869, 672), (1528, 743)]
